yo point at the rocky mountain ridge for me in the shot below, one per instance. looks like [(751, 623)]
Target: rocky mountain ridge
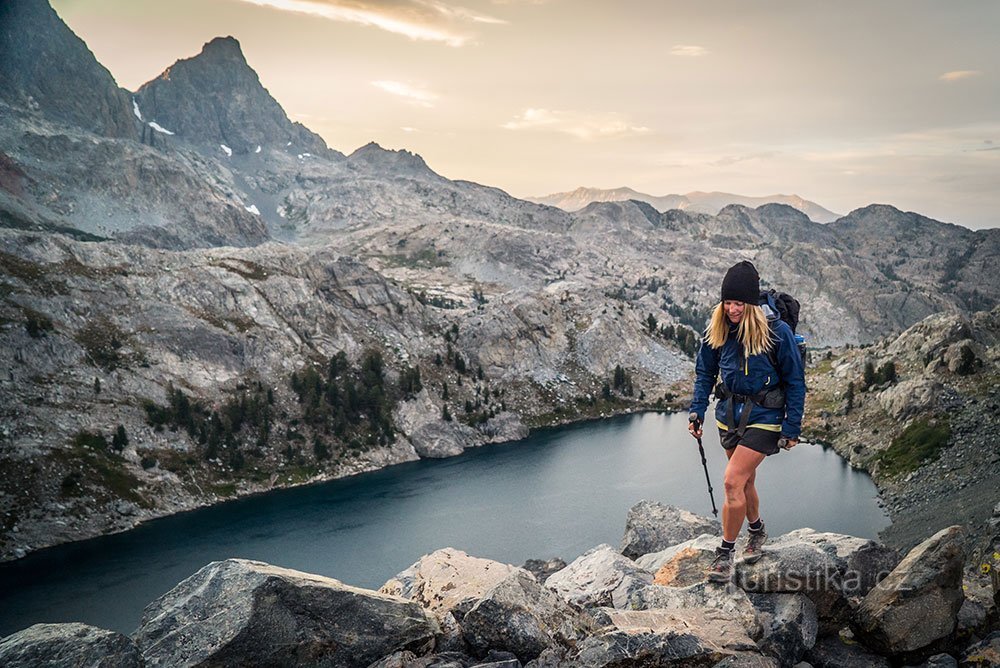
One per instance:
[(692, 202)]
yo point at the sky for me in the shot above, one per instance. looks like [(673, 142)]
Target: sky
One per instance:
[(843, 103)]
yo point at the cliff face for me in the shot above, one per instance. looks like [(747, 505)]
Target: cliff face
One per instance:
[(47, 68), (215, 99)]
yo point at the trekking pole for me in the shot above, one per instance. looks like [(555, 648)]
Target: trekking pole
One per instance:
[(693, 418)]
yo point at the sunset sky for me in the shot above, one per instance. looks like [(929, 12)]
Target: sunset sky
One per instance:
[(843, 103)]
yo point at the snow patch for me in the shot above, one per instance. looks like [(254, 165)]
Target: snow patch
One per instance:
[(228, 150), (156, 126), (258, 149), (253, 209), (135, 109), (288, 144), (281, 212), (303, 156)]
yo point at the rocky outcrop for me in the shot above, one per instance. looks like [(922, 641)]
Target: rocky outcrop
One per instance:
[(789, 625), (661, 637), (828, 568), (216, 100), (521, 616), (45, 67), (68, 646), (918, 602), (450, 609), (652, 526), (731, 600), (240, 612), (600, 576)]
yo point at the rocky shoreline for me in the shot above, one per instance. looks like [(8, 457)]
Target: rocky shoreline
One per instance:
[(822, 598)]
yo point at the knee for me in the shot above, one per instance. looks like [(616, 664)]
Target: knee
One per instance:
[(735, 486)]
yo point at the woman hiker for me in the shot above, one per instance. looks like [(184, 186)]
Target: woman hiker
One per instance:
[(760, 401)]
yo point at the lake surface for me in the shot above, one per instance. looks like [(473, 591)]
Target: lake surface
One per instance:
[(559, 492)]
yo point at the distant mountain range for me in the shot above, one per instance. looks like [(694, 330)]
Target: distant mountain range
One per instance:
[(696, 201)]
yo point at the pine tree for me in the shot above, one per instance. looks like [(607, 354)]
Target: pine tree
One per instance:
[(120, 440), (97, 385), (869, 375)]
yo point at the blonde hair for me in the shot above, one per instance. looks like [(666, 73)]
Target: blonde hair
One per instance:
[(753, 332)]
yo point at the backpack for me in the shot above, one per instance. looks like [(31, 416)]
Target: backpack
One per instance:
[(788, 310)]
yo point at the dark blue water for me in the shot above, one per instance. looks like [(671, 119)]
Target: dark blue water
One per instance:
[(557, 493)]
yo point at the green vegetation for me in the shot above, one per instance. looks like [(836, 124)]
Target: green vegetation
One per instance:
[(248, 412), (622, 381), (97, 470), (350, 403), (921, 442)]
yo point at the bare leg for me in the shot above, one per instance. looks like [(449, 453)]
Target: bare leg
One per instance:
[(740, 468), (753, 501)]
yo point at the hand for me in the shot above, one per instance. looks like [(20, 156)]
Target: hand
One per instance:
[(694, 425), (787, 443)]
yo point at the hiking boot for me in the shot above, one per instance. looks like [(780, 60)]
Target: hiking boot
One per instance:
[(721, 569), (754, 547)]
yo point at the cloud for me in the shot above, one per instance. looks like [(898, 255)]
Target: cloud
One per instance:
[(959, 74), (427, 20), (689, 50), (578, 124), (418, 96)]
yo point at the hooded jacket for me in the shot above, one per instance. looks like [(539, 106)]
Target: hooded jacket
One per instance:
[(749, 376)]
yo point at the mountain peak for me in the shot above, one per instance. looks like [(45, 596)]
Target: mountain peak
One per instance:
[(216, 99), (374, 156), (45, 67), (226, 47)]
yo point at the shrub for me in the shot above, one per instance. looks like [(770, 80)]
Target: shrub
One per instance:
[(920, 442)]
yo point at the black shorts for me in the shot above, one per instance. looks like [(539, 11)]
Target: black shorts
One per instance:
[(761, 440)]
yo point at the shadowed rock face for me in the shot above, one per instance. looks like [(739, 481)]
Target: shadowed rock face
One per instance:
[(44, 66), (215, 98), (239, 612), (69, 646)]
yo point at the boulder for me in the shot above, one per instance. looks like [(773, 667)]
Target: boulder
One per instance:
[(834, 651), (447, 580), (521, 616), (910, 397), (983, 653), (68, 646), (918, 602), (599, 577), (239, 612), (789, 625), (683, 564), (652, 526), (697, 636), (731, 600), (826, 567)]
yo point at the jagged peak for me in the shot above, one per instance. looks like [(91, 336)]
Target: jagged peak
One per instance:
[(374, 154), (224, 46)]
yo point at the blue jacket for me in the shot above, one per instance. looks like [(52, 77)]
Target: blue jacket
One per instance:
[(750, 376)]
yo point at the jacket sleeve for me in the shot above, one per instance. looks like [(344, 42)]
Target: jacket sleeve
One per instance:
[(794, 379), (706, 368)]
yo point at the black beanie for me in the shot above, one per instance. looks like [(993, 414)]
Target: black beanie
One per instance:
[(742, 283)]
